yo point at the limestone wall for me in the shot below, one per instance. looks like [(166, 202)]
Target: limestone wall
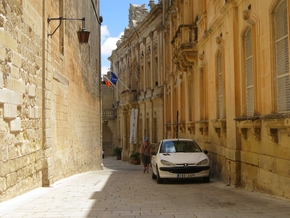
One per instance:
[(49, 94), (198, 55)]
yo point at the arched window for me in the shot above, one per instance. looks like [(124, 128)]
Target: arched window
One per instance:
[(282, 57), (249, 72)]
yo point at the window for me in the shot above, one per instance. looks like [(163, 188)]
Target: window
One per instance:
[(249, 73), (180, 146), (282, 57)]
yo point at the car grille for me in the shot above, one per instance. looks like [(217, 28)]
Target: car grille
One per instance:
[(185, 169)]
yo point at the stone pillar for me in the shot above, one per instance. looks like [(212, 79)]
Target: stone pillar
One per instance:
[(125, 133)]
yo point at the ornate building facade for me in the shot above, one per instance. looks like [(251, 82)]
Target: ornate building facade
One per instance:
[(109, 117), (216, 71), (50, 122), (139, 53)]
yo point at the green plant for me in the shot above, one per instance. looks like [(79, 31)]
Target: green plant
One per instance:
[(135, 156), (117, 151)]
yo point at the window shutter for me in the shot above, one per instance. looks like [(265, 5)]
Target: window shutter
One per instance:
[(282, 58), (249, 73), (220, 85)]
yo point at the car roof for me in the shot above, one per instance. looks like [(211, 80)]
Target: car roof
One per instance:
[(170, 140)]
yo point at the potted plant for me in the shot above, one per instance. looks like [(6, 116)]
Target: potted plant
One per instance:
[(135, 158), (118, 152)]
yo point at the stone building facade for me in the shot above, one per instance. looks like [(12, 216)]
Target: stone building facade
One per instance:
[(139, 53), (109, 119), (50, 123), (215, 71)]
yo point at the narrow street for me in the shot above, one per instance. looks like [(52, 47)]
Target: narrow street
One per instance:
[(123, 190)]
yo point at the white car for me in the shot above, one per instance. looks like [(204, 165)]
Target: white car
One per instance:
[(179, 159)]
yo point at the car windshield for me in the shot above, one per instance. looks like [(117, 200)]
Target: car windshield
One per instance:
[(179, 146)]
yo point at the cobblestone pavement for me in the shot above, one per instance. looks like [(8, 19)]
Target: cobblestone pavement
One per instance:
[(123, 190)]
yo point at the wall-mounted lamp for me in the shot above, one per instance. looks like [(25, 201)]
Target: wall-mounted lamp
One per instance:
[(83, 34)]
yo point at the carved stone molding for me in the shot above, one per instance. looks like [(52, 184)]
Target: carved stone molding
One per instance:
[(201, 59), (184, 43), (203, 127), (272, 128), (274, 122), (191, 127), (181, 127), (189, 75), (253, 124), (246, 14), (181, 76), (287, 125), (218, 40), (168, 126), (220, 125)]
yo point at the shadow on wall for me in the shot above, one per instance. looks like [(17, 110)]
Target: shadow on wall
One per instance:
[(107, 136)]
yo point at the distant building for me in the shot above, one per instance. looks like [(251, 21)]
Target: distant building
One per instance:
[(109, 118), (50, 99), (217, 72), (139, 53)]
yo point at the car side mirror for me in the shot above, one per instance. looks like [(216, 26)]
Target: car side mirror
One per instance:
[(153, 152), (205, 151)]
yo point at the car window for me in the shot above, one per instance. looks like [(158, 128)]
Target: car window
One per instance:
[(158, 147), (179, 146), (168, 147)]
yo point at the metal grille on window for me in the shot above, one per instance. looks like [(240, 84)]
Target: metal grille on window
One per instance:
[(249, 73), (282, 58), (220, 84)]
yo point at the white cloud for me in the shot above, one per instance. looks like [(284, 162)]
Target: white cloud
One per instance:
[(104, 33), (105, 69), (108, 44)]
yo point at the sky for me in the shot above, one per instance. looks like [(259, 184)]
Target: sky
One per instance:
[(115, 15)]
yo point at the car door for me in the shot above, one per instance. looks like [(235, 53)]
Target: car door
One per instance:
[(154, 157)]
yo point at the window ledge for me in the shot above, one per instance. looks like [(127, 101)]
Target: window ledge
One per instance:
[(219, 125), (274, 122), (181, 126), (168, 126), (203, 127), (191, 127), (253, 123)]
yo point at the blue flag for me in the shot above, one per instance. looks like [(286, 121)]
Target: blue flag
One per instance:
[(114, 78)]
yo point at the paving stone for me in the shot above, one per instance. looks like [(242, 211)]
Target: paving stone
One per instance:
[(123, 190)]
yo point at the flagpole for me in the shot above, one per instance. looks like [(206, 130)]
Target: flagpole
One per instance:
[(124, 85), (118, 79), (111, 83)]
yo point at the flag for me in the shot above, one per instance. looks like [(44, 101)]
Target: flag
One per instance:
[(114, 78), (107, 83)]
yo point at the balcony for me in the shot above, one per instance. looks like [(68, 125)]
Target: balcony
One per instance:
[(109, 114), (127, 97), (184, 43)]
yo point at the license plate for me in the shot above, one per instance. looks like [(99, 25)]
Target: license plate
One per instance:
[(185, 175)]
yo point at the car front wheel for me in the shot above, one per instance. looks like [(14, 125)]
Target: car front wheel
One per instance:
[(153, 176), (158, 179)]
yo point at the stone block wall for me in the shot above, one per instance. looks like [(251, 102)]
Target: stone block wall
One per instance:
[(50, 109)]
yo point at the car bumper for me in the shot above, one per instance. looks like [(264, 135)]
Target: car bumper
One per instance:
[(184, 172)]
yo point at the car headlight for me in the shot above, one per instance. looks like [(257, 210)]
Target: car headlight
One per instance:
[(203, 162), (166, 163)]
